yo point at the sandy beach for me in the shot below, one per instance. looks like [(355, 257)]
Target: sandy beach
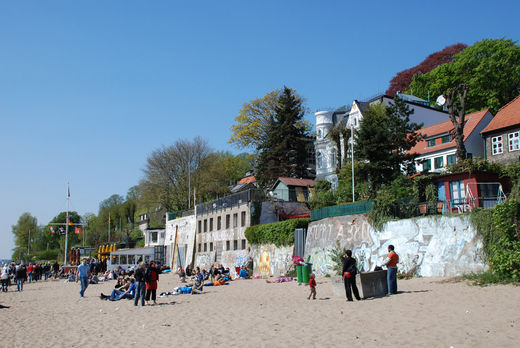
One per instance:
[(426, 313)]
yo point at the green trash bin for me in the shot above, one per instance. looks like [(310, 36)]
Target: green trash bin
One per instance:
[(306, 272), (299, 274)]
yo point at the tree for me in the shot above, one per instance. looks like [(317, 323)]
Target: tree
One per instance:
[(283, 151), (252, 123), (172, 173), (382, 141), (401, 81), (456, 104), (491, 69), (24, 231)]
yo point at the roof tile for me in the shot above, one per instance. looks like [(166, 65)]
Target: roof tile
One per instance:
[(507, 116)]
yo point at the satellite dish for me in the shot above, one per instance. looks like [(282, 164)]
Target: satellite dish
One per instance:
[(441, 100)]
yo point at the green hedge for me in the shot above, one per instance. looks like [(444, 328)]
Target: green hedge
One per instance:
[(277, 233)]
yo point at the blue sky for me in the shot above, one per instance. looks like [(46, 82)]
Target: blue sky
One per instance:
[(89, 88)]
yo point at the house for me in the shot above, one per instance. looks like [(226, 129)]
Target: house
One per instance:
[(463, 192), (502, 134), (437, 150), (244, 184), (325, 148), (292, 189)]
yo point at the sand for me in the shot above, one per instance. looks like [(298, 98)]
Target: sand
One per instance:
[(427, 313)]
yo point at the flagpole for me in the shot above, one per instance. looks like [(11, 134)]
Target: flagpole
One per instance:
[(109, 227), (67, 225)]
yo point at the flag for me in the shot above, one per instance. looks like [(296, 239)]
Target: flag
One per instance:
[(108, 217), (62, 230), (52, 230), (77, 230), (70, 223)]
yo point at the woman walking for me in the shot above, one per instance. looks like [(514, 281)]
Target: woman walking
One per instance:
[(152, 276)]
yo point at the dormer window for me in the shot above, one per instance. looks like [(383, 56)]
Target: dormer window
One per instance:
[(431, 142), (446, 139)]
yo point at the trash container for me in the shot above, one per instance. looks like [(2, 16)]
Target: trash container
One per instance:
[(299, 274), (306, 272)]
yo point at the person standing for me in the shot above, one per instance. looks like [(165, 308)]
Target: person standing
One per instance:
[(30, 271), (312, 287), (140, 287), (391, 264), (21, 275), (152, 277), (4, 277), (83, 274), (349, 276)]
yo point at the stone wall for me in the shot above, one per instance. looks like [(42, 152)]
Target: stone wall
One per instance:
[(437, 246)]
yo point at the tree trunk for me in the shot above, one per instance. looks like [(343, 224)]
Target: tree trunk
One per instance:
[(456, 104)]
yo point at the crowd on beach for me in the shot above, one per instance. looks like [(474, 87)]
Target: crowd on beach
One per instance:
[(20, 273)]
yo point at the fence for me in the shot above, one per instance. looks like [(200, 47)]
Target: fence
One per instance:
[(341, 210)]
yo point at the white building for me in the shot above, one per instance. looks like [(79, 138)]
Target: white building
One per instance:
[(437, 150), (180, 240), (326, 159)]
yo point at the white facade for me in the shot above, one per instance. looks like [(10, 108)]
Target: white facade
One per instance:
[(180, 241), (325, 120)]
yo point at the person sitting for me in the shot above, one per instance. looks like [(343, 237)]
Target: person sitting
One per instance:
[(198, 282), (182, 275), (189, 271), (243, 273), (126, 291)]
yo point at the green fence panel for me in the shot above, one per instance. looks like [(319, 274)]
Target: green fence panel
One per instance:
[(341, 210)]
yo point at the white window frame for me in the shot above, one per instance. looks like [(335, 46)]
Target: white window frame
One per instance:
[(514, 141), (499, 145), (319, 160)]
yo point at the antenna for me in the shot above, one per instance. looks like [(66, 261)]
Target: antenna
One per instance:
[(441, 100)]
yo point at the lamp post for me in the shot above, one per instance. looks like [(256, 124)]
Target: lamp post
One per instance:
[(352, 158)]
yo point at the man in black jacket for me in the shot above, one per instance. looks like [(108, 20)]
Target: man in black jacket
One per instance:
[(140, 285), (349, 276)]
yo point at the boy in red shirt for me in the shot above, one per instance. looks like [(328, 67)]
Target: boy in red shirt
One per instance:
[(312, 286)]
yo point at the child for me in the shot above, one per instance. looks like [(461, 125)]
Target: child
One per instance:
[(312, 286)]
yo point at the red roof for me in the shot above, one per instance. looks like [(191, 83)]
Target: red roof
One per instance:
[(472, 120), (297, 182), (246, 180), (507, 116)]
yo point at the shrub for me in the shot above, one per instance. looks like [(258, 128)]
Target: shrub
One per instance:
[(277, 233)]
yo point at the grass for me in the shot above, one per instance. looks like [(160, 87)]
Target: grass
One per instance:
[(488, 278)]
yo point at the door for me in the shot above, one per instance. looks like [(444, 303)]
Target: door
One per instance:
[(441, 194)]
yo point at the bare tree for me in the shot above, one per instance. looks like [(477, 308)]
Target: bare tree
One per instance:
[(456, 104), (172, 172)]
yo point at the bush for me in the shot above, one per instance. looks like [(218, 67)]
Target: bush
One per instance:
[(47, 255), (277, 233)]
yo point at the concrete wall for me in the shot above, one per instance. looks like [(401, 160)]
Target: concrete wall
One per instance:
[(184, 229), (431, 247), (270, 260)]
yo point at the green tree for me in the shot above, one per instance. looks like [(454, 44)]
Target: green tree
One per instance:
[(490, 67), (283, 151), (25, 230), (382, 141), (252, 123)]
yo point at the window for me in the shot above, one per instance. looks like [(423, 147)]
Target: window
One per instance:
[(446, 139), (333, 158), (243, 219), (205, 225), (219, 223), (228, 245), (235, 244), (439, 162), (153, 236), (426, 165), (235, 220), (200, 247), (131, 259), (122, 259), (496, 145), (211, 246), (205, 247), (319, 133), (431, 142), (514, 141), (200, 226), (243, 243), (162, 235), (227, 221), (319, 160), (211, 224), (451, 159)]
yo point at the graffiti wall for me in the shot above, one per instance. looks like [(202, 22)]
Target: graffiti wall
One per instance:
[(270, 260), (204, 260), (435, 246)]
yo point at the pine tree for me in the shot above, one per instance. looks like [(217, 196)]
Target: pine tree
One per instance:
[(283, 152)]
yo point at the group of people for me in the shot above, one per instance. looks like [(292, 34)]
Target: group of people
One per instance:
[(21, 273), (350, 271)]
